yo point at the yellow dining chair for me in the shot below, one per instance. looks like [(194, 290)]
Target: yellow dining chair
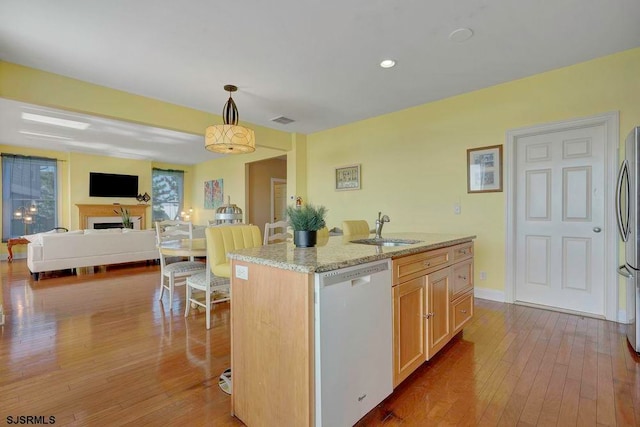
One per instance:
[(215, 280), (322, 236), (355, 227)]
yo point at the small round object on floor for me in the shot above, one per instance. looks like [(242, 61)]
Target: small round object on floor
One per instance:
[(225, 381)]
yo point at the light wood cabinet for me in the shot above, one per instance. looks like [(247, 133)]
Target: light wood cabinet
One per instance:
[(432, 302), (408, 327), (462, 278), (438, 323), (461, 312), (419, 265)]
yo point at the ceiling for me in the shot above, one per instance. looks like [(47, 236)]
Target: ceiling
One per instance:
[(314, 62), (105, 137)]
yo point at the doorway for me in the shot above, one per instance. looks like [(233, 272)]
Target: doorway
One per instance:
[(278, 199), (259, 189), (561, 237)]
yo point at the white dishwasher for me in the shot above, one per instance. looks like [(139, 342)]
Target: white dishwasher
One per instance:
[(354, 343)]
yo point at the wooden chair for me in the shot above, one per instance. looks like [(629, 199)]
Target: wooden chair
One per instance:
[(271, 235), (214, 281), (175, 273), (355, 227)]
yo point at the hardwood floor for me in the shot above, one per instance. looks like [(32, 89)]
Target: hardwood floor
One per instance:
[(100, 349), (522, 366)]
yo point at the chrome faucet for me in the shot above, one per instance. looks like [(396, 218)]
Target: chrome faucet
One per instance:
[(379, 223)]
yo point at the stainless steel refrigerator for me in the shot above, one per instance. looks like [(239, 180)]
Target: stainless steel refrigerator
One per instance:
[(628, 212)]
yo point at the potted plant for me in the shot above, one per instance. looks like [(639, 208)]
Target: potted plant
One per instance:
[(126, 217), (306, 220)]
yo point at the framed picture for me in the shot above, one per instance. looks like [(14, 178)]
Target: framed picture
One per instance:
[(213, 194), (484, 169), (348, 177)]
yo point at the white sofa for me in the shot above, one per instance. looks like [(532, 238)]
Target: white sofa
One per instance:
[(85, 248)]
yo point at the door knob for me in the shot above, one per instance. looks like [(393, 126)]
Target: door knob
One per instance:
[(597, 229)]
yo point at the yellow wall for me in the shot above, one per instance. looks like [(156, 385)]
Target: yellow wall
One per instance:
[(414, 161)]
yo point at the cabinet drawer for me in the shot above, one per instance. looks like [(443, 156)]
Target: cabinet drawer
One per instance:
[(462, 251), (461, 312), (462, 280), (412, 266)]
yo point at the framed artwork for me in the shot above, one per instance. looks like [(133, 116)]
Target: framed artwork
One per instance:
[(348, 177), (213, 194), (484, 169)]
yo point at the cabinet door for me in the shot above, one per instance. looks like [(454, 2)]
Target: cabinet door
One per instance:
[(438, 322), (408, 328)]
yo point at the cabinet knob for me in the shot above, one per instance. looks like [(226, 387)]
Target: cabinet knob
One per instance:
[(429, 315), (361, 398), (462, 277), (463, 311), (427, 264)]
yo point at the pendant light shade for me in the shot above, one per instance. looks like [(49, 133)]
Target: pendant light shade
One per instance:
[(229, 138)]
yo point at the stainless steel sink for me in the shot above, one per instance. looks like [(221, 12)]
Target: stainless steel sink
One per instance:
[(386, 242)]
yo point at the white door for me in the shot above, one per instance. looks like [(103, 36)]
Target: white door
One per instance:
[(278, 199), (560, 214)]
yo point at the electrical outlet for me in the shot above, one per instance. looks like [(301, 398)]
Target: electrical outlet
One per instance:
[(483, 275), (242, 272), (457, 209)]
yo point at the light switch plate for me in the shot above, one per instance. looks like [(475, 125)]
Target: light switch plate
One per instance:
[(242, 272), (457, 209)]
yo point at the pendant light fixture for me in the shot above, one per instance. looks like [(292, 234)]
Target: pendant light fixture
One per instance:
[(229, 138)]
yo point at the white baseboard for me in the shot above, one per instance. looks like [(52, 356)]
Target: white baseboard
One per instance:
[(495, 295), (490, 294)]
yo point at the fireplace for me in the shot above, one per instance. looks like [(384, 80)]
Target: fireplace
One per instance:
[(106, 214), (105, 225), (103, 222)]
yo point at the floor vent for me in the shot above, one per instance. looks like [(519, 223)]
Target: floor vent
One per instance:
[(282, 120)]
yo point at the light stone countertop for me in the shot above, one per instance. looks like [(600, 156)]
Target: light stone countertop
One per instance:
[(338, 252)]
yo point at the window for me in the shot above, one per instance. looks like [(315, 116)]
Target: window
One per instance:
[(167, 189), (29, 195)]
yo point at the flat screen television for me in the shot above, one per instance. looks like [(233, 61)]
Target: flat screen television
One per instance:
[(112, 185)]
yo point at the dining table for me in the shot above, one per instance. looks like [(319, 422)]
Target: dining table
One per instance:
[(184, 247)]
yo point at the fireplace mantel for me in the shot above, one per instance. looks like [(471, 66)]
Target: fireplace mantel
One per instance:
[(87, 211)]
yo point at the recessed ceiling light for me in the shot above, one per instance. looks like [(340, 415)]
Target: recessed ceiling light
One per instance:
[(388, 63), (461, 35), (55, 121)]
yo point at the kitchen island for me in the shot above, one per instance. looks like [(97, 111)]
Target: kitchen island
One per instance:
[(274, 334)]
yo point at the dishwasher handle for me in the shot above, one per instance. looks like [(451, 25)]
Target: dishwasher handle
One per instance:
[(623, 270)]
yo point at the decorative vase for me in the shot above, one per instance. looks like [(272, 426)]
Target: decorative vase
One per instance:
[(304, 238)]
